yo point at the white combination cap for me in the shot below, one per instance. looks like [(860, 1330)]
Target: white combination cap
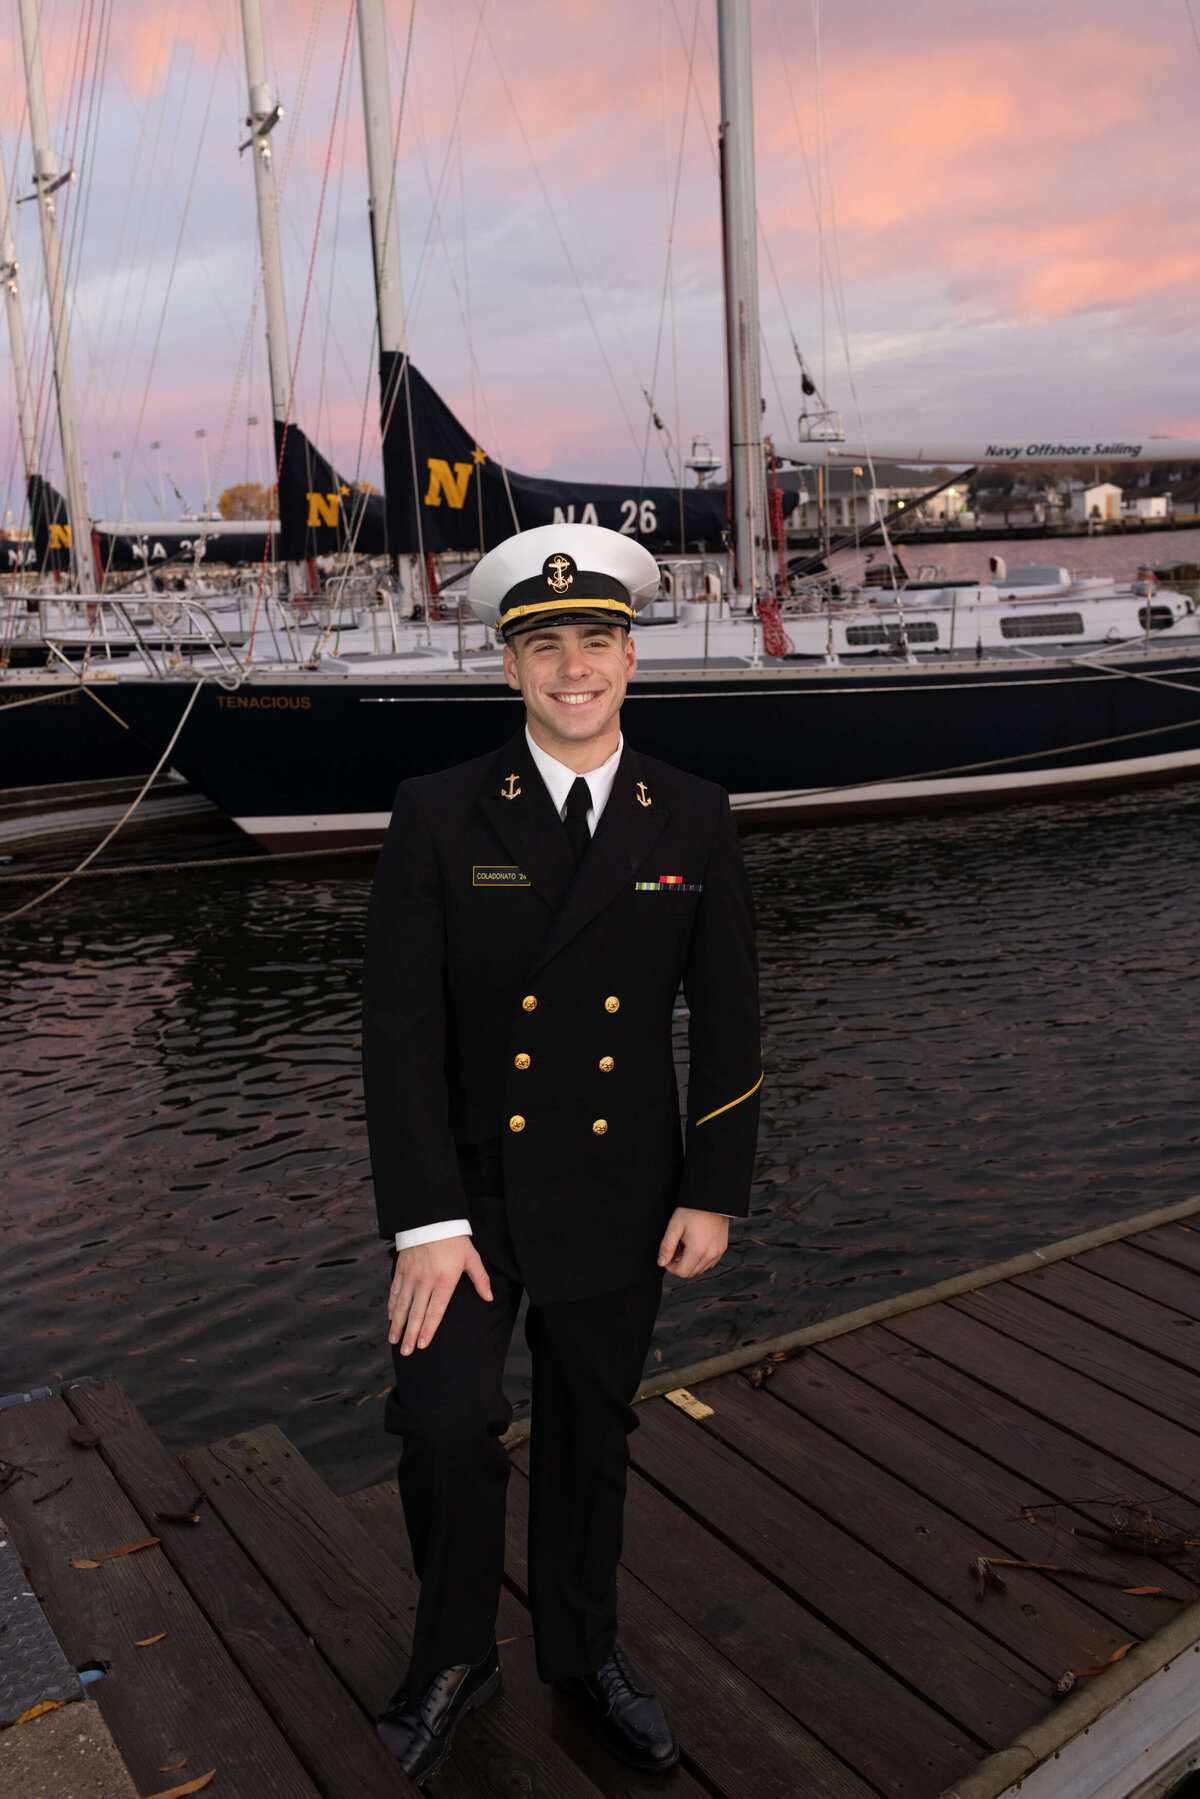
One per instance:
[(562, 575)]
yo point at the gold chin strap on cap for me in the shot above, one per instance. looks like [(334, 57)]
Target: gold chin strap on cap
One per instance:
[(506, 618), (732, 1103)]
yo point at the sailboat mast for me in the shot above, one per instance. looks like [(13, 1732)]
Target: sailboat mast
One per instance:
[(377, 121), (26, 415), (265, 114), (46, 181), (748, 488), (385, 250)]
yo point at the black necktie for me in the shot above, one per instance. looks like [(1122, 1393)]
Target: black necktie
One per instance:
[(578, 801)]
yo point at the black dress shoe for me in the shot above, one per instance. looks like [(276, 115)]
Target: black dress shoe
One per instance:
[(625, 1715), (419, 1731)]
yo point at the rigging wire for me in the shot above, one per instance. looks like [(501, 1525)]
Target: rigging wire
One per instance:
[(668, 285), (105, 386), (303, 314), (831, 270), (570, 261), (281, 177), (436, 225), (1192, 22), (162, 317), (323, 400), (438, 191)]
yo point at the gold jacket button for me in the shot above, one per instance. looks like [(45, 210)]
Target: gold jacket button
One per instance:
[(612, 1003), (606, 1064), (529, 1003), (600, 1126), (516, 1122), (521, 1061)]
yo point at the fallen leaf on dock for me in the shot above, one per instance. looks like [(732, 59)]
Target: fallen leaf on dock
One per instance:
[(35, 1711), (145, 1642), (985, 1576), (763, 1370), (1073, 1674), (107, 1555), (189, 1786), (171, 1766), (984, 1569)]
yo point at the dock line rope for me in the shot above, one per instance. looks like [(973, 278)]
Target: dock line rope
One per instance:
[(272, 858), (125, 816)]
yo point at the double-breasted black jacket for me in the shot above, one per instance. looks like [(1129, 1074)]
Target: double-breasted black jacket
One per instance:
[(510, 999)]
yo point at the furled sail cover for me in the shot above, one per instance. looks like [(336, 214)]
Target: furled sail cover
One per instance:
[(319, 512), (445, 493), (50, 526), (171, 547)]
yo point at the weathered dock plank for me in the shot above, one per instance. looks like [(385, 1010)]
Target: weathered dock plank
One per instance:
[(1113, 1362), (359, 1606), (1125, 1315), (330, 1733), (978, 1683), (1016, 1436), (1050, 1629), (1174, 1243), (742, 1742), (380, 1511), (1153, 1448), (1130, 1265), (798, 1579), (1028, 1520), (178, 1701)]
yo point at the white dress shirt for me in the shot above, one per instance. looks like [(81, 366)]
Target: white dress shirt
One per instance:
[(559, 781)]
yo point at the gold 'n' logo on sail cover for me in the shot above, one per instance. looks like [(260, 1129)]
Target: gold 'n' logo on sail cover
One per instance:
[(560, 572)]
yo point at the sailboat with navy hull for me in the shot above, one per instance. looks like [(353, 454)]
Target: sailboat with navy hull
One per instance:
[(879, 704), (444, 492), (150, 548)]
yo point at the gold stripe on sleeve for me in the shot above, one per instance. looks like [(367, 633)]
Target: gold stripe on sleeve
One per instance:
[(732, 1103)]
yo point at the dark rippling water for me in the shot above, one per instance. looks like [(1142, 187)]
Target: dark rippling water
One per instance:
[(979, 1037)]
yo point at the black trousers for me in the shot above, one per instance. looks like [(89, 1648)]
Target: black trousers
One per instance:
[(449, 1409)]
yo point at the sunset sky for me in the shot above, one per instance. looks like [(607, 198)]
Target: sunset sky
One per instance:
[(998, 201)]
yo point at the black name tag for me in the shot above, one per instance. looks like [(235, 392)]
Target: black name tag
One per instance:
[(496, 875)]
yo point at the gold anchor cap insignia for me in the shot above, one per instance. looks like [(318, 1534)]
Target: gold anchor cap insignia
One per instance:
[(643, 796), (559, 572), (511, 789)]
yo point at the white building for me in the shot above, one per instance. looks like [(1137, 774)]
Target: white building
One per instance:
[(1156, 505), (853, 500), (1091, 503)]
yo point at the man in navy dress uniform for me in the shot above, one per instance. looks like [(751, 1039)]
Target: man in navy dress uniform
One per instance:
[(534, 916)]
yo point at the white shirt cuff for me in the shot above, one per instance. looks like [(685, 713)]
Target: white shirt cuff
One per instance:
[(433, 1233)]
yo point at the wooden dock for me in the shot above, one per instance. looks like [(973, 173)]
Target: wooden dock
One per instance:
[(818, 1576)]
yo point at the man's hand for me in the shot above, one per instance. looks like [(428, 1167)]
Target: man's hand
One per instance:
[(424, 1278), (694, 1242)]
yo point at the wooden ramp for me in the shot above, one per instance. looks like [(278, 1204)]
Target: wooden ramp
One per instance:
[(818, 1570)]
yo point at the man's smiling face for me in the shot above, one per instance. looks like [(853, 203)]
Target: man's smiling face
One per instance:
[(573, 680)]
